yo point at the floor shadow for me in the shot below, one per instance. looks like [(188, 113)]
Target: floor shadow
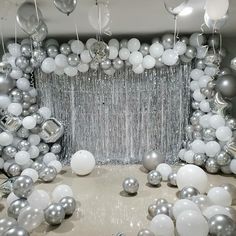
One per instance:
[(149, 217), (2, 207), (153, 186), (142, 169), (178, 194), (171, 186), (124, 194)]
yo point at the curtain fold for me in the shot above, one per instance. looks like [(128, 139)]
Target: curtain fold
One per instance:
[(119, 118)]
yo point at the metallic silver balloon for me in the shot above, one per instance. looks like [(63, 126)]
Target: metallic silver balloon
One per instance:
[(22, 62), (52, 51), (202, 201), (23, 186), (144, 49), (26, 96), (40, 33), (152, 159), (23, 145), (188, 192), (39, 119), (184, 39), (154, 177), (65, 6), (198, 128), (172, 179), (152, 210), (16, 206), (214, 41), (68, 204), (227, 85), (23, 133), (106, 64), (223, 158), (191, 52), (231, 123), (33, 108), (38, 55), (230, 147), (200, 64), (145, 232), (185, 59), (65, 49), (56, 148), (161, 201), (209, 134), (14, 170), (26, 50), (54, 214), (37, 166), (224, 71), (48, 174), (6, 223), (232, 191), (221, 225), (194, 120), (212, 166), (233, 63), (6, 83), (130, 185), (159, 63), (118, 63), (189, 131), (207, 92), (162, 209), (10, 151), (199, 159), (73, 59), (43, 148), (168, 41), (16, 231), (99, 51), (5, 67)]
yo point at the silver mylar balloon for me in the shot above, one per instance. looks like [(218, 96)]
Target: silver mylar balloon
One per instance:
[(152, 159), (152, 210), (154, 177), (223, 159), (232, 191), (118, 63), (130, 185), (209, 134), (195, 105), (184, 39), (212, 166), (194, 120), (26, 50), (33, 100), (23, 133), (73, 59), (26, 96), (10, 151), (68, 204), (23, 186), (25, 112), (172, 179), (34, 63), (37, 166), (99, 51), (162, 209), (14, 170), (65, 6), (144, 49), (123, 43), (39, 119), (214, 41), (56, 148), (227, 85), (52, 51), (200, 64), (48, 174), (39, 54), (22, 62), (199, 159), (94, 65), (231, 123), (198, 128), (33, 109), (5, 67), (23, 145), (29, 69), (191, 52), (145, 232), (221, 225), (188, 192), (106, 64), (230, 147), (65, 49), (16, 206), (159, 63), (16, 231), (161, 201), (25, 105), (168, 41), (6, 223), (54, 214), (206, 92), (43, 148), (6, 83), (40, 33)]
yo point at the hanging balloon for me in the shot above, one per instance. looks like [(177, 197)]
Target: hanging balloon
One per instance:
[(216, 9), (226, 84), (174, 7), (215, 25), (65, 6), (40, 33), (28, 17), (99, 16)]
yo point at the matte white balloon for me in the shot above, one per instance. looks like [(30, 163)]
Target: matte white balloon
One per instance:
[(113, 52), (34, 139), (71, 71), (204, 121), (48, 65), (180, 48), (215, 210), (15, 109), (212, 148), (149, 62), (32, 173), (224, 133), (165, 170), (136, 58), (196, 74), (85, 56), (205, 106), (6, 138), (77, 47), (219, 196), (156, 50), (138, 69), (198, 146), (133, 45), (49, 157), (45, 112), (23, 84), (124, 54), (29, 122), (232, 166), (61, 61), (56, 164), (61, 191), (22, 157), (188, 156), (4, 101), (198, 96), (170, 57), (39, 199), (217, 121)]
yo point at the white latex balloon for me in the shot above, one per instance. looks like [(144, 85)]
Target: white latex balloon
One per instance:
[(133, 45), (11, 198), (39, 199), (202, 52), (198, 96), (211, 71), (32, 173), (16, 73), (113, 52), (192, 221), (29, 122), (23, 84), (136, 58), (181, 154), (61, 191), (48, 157), (33, 92), (194, 85), (215, 210), (205, 106), (156, 50), (4, 101), (217, 9), (34, 139), (165, 170), (124, 54), (83, 67), (71, 71), (61, 61), (224, 133), (180, 48), (219, 196), (149, 62), (162, 225), (48, 65), (6, 138), (217, 121), (203, 81), (22, 157), (77, 47), (14, 49), (114, 43), (15, 109), (59, 71), (212, 148), (90, 42), (85, 56), (198, 146), (170, 57), (204, 121), (196, 74), (232, 166), (198, 180), (188, 156), (34, 152), (56, 164), (138, 69), (45, 112)]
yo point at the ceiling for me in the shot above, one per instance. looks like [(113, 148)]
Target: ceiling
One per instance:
[(143, 18)]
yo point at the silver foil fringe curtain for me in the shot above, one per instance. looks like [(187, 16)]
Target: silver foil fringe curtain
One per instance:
[(119, 118)]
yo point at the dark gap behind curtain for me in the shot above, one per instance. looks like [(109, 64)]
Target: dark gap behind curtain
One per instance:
[(119, 118)]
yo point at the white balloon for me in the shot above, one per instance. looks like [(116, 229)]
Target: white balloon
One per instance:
[(82, 162), (22, 157), (194, 85), (34, 139), (90, 42), (220, 196), (71, 71), (156, 50), (170, 57), (39, 199), (82, 67), (4, 101), (148, 62), (45, 112), (196, 74), (11, 198), (204, 121), (203, 81), (61, 191), (113, 52), (59, 71), (23, 84), (48, 157), (198, 180), (6, 139), (56, 164), (34, 152), (61, 61), (217, 121), (212, 148), (111, 71), (29, 122), (15, 109), (205, 106), (202, 52), (215, 210), (232, 166), (181, 154), (211, 71), (198, 146), (138, 69), (114, 43), (180, 48), (217, 9), (32, 173), (188, 156), (48, 65), (224, 133), (136, 58), (164, 170), (12, 61), (14, 49), (198, 96), (134, 45), (16, 73), (77, 47), (196, 40), (124, 54), (33, 92), (85, 56)]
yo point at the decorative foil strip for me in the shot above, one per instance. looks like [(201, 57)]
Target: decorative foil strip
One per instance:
[(119, 118)]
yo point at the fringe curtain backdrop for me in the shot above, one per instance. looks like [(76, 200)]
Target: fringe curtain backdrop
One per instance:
[(119, 118)]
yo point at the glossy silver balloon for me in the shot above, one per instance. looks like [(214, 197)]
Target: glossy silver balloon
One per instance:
[(54, 214), (23, 186), (209, 134), (200, 64), (43, 148), (162, 209), (189, 131), (39, 54), (6, 223), (195, 105), (73, 59), (226, 170), (10, 151), (188, 192), (207, 92), (145, 232), (191, 52), (231, 123), (185, 59), (40, 33), (168, 41), (65, 6), (144, 49), (212, 166), (48, 174), (5, 67), (172, 179), (65, 49), (34, 108), (56, 148), (198, 128), (160, 201), (68, 204), (14, 170), (37, 166), (202, 201), (230, 147), (23, 133), (232, 191), (130, 185), (224, 71), (118, 63), (199, 159), (16, 231), (152, 210), (39, 119), (227, 85), (106, 64), (194, 120), (22, 62), (212, 59), (154, 177), (152, 159), (159, 63), (26, 50), (223, 158), (52, 51), (16, 206), (23, 145), (99, 51), (221, 225), (6, 83)]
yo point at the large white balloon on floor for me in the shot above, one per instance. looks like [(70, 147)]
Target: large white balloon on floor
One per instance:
[(82, 162), (191, 175), (216, 9)]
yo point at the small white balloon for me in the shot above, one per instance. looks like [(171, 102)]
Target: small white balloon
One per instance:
[(124, 54), (196, 39), (23, 84), (6, 138), (14, 49), (32, 173), (181, 154), (188, 156), (85, 57), (34, 139), (156, 50), (11, 198), (61, 191), (215, 210), (48, 65), (232, 166), (196, 74), (77, 47), (149, 62), (45, 112), (212, 148), (34, 152), (194, 85), (61, 61), (22, 158), (138, 69), (205, 106), (33, 92), (170, 57), (15, 109), (83, 67), (136, 58), (71, 71), (48, 157), (4, 101), (204, 121), (164, 170), (202, 52), (39, 199), (113, 52), (224, 133), (211, 71), (90, 42), (217, 121), (198, 146), (133, 45), (114, 43), (203, 81), (59, 71), (56, 164), (29, 122), (180, 48), (220, 196), (16, 73)]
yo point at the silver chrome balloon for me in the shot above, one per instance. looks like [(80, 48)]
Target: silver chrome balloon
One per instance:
[(145, 232), (161, 201), (106, 64), (26, 50), (14, 170), (23, 145), (152, 210), (144, 49), (56, 148), (68, 204), (5, 67), (118, 63), (65, 49), (16, 231), (231, 123), (6, 223), (73, 59), (54, 214), (48, 174), (230, 147), (99, 51), (43, 148), (131, 185), (152, 159), (16, 206), (23, 186), (211, 166), (10, 151), (188, 192), (223, 158), (37, 166), (172, 179), (22, 62), (154, 177), (52, 51), (226, 84), (168, 41), (16, 95), (209, 134), (162, 209), (199, 159)]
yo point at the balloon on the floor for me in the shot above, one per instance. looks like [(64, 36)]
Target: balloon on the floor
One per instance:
[(152, 159), (154, 177), (145, 232), (130, 185)]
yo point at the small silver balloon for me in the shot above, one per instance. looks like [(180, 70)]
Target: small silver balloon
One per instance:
[(124, 43), (214, 41), (188, 192), (154, 177), (223, 158), (172, 179), (152, 210), (16, 95), (56, 148), (231, 123), (200, 64), (230, 147), (52, 51), (26, 96), (198, 113), (209, 134), (194, 120), (224, 71), (197, 128), (65, 49), (25, 113), (199, 159), (14, 170), (10, 151), (73, 59), (43, 148), (6, 83), (68, 204), (226, 84), (159, 63), (26, 50), (48, 174), (37, 166), (16, 231), (5, 67), (106, 64), (212, 166), (161, 201), (130, 185), (39, 54), (22, 62), (191, 52), (202, 201), (6, 223), (23, 145), (54, 214), (94, 65), (144, 49), (145, 232), (39, 118), (168, 41), (118, 63), (16, 206), (232, 191), (195, 105), (23, 186), (25, 105), (162, 209), (152, 159), (99, 51)]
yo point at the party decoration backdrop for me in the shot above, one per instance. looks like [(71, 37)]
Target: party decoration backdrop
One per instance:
[(120, 117)]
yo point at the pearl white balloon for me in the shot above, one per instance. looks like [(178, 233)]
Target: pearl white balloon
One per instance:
[(113, 52), (198, 180), (156, 50), (4, 101), (61, 191), (34, 139), (212, 148), (16, 73), (220, 196), (124, 54), (82, 162), (180, 48), (22, 157), (181, 154), (83, 67), (56, 164), (15, 109), (32, 173), (39, 199), (232, 166), (217, 9), (204, 121), (47, 158), (217, 121), (114, 43), (90, 42), (61, 61), (136, 58), (138, 69), (196, 74), (111, 71), (133, 45), (59, 71), (211, 71), (148, 62), (203, 81), (48, 65), (14, 49), (188, 156), (12, 61), (45, 112), (198, 146), (6, 138), (34, 152), (194, 85), (70, 71), (29, 122), (215, 210), (23, 84), (77, 47), (164, 170), (85, 56), (11, 198), (205, 106), (224, 133), (33, 92), (170, 57), (198, 96)]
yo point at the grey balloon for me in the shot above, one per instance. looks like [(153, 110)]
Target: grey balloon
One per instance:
[(118, 63), (65, 6), (168, 41), (94, 65), (232, 191), (99, 51), (14, 170), (209, 134), (226, 170), (224, 71), (232, 212), (231, 123), (227, 85), (22, 62), (195, 105), (214, 41), (145, 232), (212, 166), (38, 55), (199, 159), (65, 49), (152, 210), (191, 52), (23, 186), (202, 201), (16, 231), (6, 223), (154, 177), (223, 159), (52, 51), (73, 59), (184, 39), (144, 49), (39, 119), (37, 166), (152, 159), (6, 83), (23, 133), (106, 64), (185, 59), (33, 109), (26, 50), (130, 185), (172, 179), (68, 204), (233, 63), (23, 145), (54, 214), (43, 148), (188, 192), (56, 148), (5, 67), (162, 209), (16, 206), (161, 201), (200, 64), (124, 43), (48, 174), (221, 225), (10, 151), (194, 120)]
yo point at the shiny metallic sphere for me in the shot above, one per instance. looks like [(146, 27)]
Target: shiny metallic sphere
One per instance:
[(154, 177), (130, 185)]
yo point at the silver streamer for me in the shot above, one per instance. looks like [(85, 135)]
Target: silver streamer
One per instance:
[(119, 118)]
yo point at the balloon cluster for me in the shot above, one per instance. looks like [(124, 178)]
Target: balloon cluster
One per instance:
[(29, 207), (194, 211)]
